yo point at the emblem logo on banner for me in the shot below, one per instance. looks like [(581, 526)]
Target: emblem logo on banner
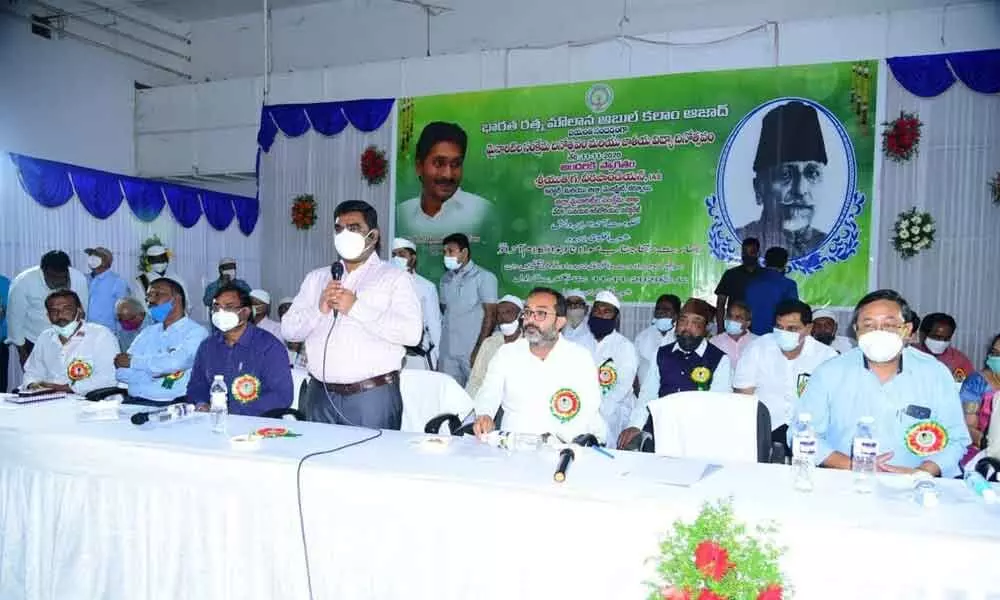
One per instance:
[(599, 97)]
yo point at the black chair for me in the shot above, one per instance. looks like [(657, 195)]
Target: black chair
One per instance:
[(281, 413), (989, 468), (467, 428), (454, 424), (646, 440)]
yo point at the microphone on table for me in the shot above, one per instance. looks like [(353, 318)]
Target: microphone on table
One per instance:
[(174, 412), (566, 456), (337, 272)]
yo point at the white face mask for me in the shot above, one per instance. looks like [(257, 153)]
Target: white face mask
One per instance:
[(350, 245), (787, 340), (937, 346), (160, 268), (575, 316), (880, 346), (451, 263), (225, 320), (68, 329), (94, 262), (401, 262), (508, 329)]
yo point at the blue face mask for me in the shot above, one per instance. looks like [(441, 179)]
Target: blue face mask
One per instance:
[(663, 324), (787, 340), (993, 363), (159, 312), (734, 327)]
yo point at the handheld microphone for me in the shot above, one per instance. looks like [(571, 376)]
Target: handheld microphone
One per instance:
[(337, 272), (566, 457), (174, 412)]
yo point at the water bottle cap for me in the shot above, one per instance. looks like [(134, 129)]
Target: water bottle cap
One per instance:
[(218, 377), (867, 420)]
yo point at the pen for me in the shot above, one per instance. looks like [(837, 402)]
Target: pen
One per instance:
[(603, 451)]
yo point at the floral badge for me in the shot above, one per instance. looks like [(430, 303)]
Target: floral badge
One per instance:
[(701, 376), (607, 376), (926, 438), (565, 405), (171, 379), (959, 375), (245, 388), (78, 370)]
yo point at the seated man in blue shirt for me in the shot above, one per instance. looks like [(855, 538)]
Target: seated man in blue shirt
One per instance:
[(919, 423), (253, 362), (157, 366), (769, 289)]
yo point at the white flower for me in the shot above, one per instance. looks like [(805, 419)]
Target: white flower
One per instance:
[(914, 230), (928, 228), (906, 245), (915, 219), (904, 234)]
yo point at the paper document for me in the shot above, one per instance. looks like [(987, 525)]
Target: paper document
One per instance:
[(669, 471)]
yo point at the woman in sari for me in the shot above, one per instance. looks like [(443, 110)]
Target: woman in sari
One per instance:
[(980, 394)]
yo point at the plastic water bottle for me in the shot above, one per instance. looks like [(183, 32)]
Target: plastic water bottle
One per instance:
[(864, 451), (803, 453), (219, 404), (978, 484)]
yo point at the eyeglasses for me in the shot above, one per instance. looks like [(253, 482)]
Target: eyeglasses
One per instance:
[(890, 326), (536, 315)]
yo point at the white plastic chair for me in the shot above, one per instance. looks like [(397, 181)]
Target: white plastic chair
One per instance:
[(711, 426), (428, 394)]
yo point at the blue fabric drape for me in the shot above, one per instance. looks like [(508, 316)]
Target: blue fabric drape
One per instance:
[(45, 181), (932, 74), (247, 212), (218, 209), (145, 198), (184, 204), (100, 194), (327, 118), (53, 183)]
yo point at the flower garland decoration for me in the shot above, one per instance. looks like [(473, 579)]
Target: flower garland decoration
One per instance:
[(901, 137), (304, 211), (995, 188), (913, 232), (373, 165), (275, 432), (716, 558)]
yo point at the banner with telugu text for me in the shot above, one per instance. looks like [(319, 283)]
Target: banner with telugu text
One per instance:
[(647, 185)]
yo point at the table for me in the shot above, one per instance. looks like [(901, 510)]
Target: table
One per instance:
[(109, 510)]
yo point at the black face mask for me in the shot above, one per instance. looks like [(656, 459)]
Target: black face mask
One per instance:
[(688, 343), (601, 328), (824, 338)]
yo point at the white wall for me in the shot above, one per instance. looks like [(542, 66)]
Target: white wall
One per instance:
[(67, 101), (212, 127)]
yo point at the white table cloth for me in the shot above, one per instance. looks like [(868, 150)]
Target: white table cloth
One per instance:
[(109, 510)]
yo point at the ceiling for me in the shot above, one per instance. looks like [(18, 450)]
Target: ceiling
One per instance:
[(203, 10)]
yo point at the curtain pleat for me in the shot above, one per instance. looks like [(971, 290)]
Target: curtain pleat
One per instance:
[(959, 152)]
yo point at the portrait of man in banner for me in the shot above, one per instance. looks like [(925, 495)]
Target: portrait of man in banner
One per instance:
[(443, 207), (789, 173)]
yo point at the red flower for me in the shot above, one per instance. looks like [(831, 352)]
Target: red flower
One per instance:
[(672, 593), (710, 595), (712, 560), (771, 592)]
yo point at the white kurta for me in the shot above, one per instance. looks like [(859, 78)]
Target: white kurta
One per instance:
[(557, 395), (271, 326), (617, 362), (842, 344), (26, 314), (581, 336), (86, 361), (647, 344), (778, 382), (430, 310)]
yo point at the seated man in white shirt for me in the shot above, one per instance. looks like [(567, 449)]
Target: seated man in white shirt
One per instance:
[(260, 303), (659, 333), (509, 323), (544, 383), (776, 366), (616, 363), (825, 331), (72, 356)]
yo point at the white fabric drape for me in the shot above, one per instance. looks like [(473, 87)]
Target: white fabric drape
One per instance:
[(959, 152), (329, 168), (28, 230)]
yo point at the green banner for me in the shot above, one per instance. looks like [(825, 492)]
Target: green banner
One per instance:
[(647, 186)]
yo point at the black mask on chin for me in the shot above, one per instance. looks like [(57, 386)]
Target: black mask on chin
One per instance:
[(688, 343), (824, 338)]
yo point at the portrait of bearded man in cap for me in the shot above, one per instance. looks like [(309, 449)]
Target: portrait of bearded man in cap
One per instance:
[(788, 172)]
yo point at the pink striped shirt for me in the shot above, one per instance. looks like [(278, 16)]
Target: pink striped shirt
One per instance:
[(367, 341), (732, 348)]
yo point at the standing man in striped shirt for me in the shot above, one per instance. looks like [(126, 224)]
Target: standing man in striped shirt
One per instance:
[(355, 327)]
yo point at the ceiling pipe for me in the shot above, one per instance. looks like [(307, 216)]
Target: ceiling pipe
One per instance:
[(139, 22), (86, 40), (110, 29)]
